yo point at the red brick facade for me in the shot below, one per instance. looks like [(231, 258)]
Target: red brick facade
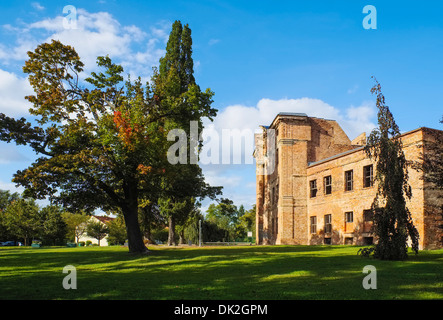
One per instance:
[(322, 186)]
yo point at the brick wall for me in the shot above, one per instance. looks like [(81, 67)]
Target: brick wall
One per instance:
[(311, 149)]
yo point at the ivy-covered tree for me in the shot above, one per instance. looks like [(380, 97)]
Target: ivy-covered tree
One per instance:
[(393, 224)]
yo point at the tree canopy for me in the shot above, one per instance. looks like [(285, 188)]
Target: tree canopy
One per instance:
[(104, 144)]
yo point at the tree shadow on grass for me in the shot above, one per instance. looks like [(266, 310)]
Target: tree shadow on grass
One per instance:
[(286, 272)]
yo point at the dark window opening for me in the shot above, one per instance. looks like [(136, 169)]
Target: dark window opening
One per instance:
[(313, 224), (328, 184), (313, 188), (349, 217), (349, 180), (368, 176), (328, 224)]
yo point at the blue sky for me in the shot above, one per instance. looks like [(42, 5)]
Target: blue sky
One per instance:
[(259, 57)]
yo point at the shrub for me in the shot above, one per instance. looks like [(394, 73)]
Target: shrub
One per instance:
[(366, 252)]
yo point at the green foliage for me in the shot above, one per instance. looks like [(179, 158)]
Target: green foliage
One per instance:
[(246, 222), (100, 147), (97, 230), (22, 219), (175, 88), (54, 227), (117, 231), (6, 198), (366, 252), (76, 224), (227, 222), (105, 145), (392, 219)]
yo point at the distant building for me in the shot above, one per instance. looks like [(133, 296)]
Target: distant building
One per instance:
[(103, 242), (322, 187)]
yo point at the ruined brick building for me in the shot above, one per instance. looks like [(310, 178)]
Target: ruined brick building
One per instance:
[(317, 187)]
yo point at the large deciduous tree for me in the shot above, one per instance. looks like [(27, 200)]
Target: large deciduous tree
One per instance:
[(393, 224), (103, 144)]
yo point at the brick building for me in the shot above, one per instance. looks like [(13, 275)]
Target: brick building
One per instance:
[(317, 186)]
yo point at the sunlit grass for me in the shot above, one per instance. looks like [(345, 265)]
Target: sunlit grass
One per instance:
[(253, 272)]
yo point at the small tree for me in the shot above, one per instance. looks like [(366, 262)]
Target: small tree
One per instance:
[(6, 198), (97, 230), (117, 231), (392, 219), (224, 215), (54, 227), (22, 220), (76, 224)]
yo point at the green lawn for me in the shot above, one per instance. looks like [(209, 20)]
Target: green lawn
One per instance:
[(255, 272)]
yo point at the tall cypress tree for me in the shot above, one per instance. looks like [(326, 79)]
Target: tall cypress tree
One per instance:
[(175, 89), (392, 219)]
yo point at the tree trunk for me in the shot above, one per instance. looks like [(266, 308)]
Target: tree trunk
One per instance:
[(182, 236), (171, 234), (135, 239)]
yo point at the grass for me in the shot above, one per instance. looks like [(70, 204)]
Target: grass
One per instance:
[(255, 272)]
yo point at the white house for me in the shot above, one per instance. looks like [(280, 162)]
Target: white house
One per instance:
[(102, 219)]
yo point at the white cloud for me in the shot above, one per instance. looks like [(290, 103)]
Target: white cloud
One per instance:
[(96, 34), (11, 187), (10, 154), (13, 90), (354, 120), (211, 42), (37, 6), (214, 179)]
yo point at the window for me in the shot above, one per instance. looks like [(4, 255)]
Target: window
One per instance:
[(328, 225), (349, 180), (327, 181), (368, 178), (349, 217), (313, 224), (327, 241), (349, 240), (313, 188), (367, 241)]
